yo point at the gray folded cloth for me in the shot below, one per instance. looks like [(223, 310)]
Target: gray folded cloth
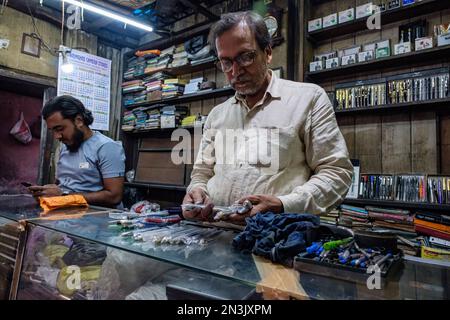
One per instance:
[(202, 53), (207, 85)]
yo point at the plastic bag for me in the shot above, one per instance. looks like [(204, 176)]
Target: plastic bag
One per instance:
[(21, 131)]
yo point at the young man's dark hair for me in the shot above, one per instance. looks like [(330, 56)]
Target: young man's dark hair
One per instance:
[(69, 107), (229, 20)]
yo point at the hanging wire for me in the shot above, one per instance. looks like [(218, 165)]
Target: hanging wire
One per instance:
[(36, 33), (4, 4), (62, 22)]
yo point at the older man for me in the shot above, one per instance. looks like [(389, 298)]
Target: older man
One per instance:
[(310, 170)]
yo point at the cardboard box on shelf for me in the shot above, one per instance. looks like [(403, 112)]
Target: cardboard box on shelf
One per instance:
[(315, 24), (347, 15)]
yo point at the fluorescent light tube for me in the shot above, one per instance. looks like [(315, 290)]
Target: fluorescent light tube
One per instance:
[(109, 14)]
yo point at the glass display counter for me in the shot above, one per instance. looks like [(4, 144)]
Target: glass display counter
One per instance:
[(81, 254), (11, 248)]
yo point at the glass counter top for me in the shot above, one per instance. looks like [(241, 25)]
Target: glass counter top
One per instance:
[(4, 221), (216, 257), (25, 207), (415, 279)]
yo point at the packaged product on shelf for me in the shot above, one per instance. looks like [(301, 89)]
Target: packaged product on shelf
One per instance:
[(347, 15), (352, 50), (418, 86), (364, 94), (316, 66), (393, 4), (332, 63), (383, 49), (315, 24), (407, 2), (365, 56), (330, 20), (424, 43), (402, 47), (350, 59), (364, 10)]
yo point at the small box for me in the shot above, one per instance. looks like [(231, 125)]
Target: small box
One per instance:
[(347, 15), (370, 47), (315, 66), (383, 52), (384, 44), (325, 56), (393, 4), (353, 50), (402, 47), (407, 2), (350, 59), (365, 56), (330, 20), (332, 63), (424, 43), (167, 121), (364, 10), (443, 40), (315, 24)]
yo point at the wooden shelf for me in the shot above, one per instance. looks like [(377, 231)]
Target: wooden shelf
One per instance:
[(204, 94), (416, 106), (158, 130), (388, 16), (399, 204), (181, 70), (405, 59), (155, 186)]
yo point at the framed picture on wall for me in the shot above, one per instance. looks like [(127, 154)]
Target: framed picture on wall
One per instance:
[(31, 45), (278, 72)]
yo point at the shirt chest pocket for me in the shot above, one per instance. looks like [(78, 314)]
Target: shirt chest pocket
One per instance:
[(268, 147)]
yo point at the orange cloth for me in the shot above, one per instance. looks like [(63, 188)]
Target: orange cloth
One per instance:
[(143, 53), (73, 200)]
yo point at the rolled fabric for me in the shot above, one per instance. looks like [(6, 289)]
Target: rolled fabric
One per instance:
[(72, 200)]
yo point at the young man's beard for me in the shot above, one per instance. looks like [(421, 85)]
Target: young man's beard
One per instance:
[(78, 139)]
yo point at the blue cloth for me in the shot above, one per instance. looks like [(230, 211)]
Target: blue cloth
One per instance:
[(277, 237), (83, 171)]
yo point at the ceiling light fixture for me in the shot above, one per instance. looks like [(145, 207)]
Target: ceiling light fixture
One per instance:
[(109, 14), (66, 66)]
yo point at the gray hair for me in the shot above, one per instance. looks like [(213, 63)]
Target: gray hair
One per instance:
[(229, 20)]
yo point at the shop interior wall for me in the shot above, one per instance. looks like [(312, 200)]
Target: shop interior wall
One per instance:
[(46, 65), (204, 106), (13, 24), (19, 162), (406, 142)]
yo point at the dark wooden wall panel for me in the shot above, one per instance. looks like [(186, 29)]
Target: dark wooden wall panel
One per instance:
[(445, 144), (368, 142), (423, 142), (396, 141)]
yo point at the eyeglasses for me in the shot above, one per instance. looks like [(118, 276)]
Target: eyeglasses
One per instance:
[(243, 60)]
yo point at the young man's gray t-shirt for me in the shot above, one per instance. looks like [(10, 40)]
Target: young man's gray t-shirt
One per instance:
[(97, 158)]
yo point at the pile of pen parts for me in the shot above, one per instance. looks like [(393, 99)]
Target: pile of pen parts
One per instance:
[(148, 224)]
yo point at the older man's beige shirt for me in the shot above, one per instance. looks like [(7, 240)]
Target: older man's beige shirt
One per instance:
[(310, 170)]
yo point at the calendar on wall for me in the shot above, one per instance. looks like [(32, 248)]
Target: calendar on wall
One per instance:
[(90, 82)]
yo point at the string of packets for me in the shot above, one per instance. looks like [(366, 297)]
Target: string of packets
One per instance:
[(408, 188), (393, 92)]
